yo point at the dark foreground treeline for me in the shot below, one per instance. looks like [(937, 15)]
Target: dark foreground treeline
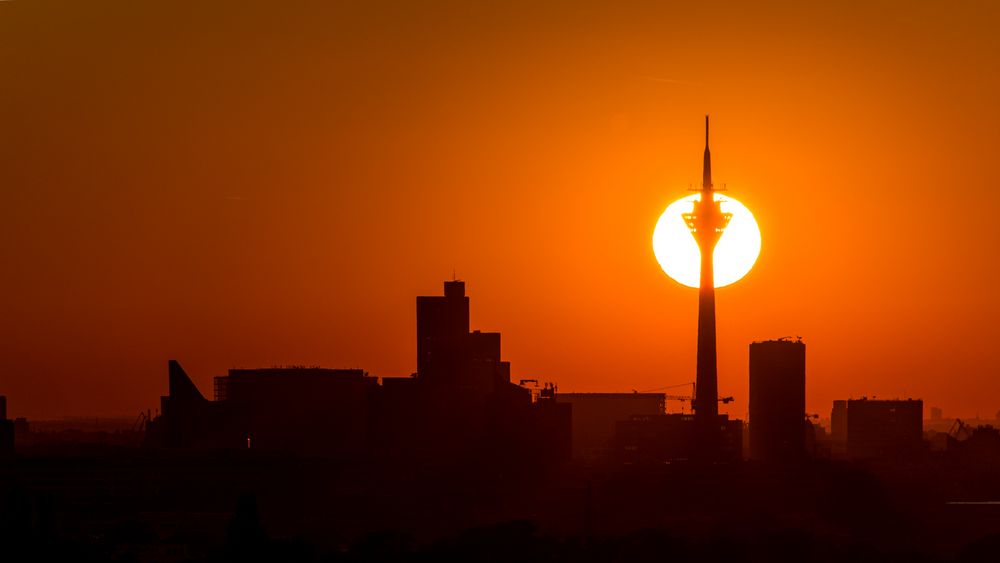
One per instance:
[(136, 506), (503, 542)]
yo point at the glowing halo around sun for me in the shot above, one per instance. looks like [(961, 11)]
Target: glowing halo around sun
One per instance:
[(678, 254)]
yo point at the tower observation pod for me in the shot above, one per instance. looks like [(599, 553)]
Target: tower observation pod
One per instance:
[(707, 222)]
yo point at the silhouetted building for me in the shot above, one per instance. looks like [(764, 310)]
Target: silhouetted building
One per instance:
[(459, 404), (817, 441), (461, 401), (189, 420), (595, 414), (884, 429), (669, 438), (777, 400), (980, 447), (22, 429), (838, 426), (448, 354), (299, 409), (6, 430)]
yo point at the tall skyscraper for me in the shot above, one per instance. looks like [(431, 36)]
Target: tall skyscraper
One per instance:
[(442, 331), (707, 222), (447, 353), (777, 400)]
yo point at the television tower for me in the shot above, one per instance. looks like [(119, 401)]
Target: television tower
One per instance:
[(707, 222)]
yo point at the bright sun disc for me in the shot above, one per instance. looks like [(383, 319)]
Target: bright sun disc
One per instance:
[(677, 252)]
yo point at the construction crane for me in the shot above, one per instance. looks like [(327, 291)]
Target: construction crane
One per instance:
[(959, 429), (141, 422), (689, 398), (685, 398)]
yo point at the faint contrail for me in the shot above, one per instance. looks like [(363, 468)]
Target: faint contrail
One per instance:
[(673, 81)]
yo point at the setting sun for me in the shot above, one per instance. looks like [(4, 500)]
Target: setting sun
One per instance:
[(677, 252)]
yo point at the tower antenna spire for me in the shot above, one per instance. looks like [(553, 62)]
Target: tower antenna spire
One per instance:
[(707, 221), (706, 181)]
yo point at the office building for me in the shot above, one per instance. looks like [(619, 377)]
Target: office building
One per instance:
[(595, 415), (777, 400), (884, 429)]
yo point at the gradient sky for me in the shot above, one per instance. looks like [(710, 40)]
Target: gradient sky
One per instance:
[(252, 183)]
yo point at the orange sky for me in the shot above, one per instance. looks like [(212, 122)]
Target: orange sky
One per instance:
[(252, 184)]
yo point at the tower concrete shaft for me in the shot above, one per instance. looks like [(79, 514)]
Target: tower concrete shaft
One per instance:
[(707, 223)]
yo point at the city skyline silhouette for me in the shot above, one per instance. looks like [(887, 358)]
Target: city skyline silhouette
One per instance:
[(353, 282), (302, 463)]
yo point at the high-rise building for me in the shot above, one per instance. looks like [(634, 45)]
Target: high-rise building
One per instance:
[(884, 429), (442, 331), (448, 354), (777, 400)]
